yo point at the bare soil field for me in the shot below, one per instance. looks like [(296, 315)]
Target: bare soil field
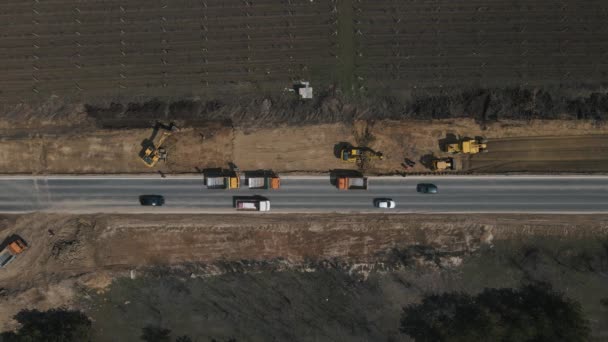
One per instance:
[(542, 154), (72, 254), (577, 146)]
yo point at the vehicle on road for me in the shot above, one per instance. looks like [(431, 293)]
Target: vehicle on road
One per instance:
[(10, 252), (255, 203), (152, 200), (264, 182), (384, 203), (352, 183), (222, 180), (427, 188)]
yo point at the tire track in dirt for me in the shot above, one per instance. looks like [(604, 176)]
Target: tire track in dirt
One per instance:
[(550, 153)]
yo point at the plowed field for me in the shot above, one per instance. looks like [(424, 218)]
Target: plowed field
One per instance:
[(116, 49)]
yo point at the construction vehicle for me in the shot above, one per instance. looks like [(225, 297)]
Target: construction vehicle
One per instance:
[(359, 154), (351, 183), (442, 164), (222, 180), (264, 181), (468, 146), (10, 252), (252, 204), (151, 153)]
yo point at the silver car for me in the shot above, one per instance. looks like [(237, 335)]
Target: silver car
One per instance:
[(384, 203)]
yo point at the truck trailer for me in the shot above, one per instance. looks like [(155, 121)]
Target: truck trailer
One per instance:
[(264, 182), (231, 181), (352, 183)]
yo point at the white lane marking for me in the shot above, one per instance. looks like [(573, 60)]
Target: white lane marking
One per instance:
[(229, 211), (388, 178)]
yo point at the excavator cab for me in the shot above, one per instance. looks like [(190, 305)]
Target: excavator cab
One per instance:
[(350, 154), (151, 152)]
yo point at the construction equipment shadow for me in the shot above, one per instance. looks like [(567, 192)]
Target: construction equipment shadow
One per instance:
[(259, 173), (157, 127), (341, 146), (450, 138), (427, 160), (216, 172)]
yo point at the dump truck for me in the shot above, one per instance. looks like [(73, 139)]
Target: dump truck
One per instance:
[(468, 146), (225, 182), (268, 182), (442, 164), (10, 252), (352, 183), (252, 204)]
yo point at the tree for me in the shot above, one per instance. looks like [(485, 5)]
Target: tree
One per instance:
[(152, 333), (531, 313), (55, 325)]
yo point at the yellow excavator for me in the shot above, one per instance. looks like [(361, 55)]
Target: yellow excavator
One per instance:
[(468, 146), (151, 153), (358, 154)]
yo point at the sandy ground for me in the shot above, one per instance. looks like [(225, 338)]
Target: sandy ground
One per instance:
[(514, 146), (90, 250), (541, 154)]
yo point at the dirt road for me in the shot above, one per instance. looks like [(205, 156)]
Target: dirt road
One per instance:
[(304, 148), (543, 154)]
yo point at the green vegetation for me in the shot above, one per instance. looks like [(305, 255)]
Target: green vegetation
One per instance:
[(532, 313), (55, 325)]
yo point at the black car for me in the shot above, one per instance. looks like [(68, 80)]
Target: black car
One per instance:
[(427, 188), (153, 200)]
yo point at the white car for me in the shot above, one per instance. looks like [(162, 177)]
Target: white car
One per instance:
[(385, 203)]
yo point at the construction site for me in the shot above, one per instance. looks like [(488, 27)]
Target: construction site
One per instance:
[(244, 99)]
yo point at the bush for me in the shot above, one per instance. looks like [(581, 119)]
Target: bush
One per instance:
[(532, 313), (58, 325)]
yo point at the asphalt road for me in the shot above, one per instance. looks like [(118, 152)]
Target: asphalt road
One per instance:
[(529, 194)]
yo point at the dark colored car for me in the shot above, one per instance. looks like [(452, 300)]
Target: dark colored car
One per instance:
[(153, 200), (427, 188)]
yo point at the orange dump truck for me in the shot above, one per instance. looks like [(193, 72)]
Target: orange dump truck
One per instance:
[(10, 252), (264, 182), (352, 183)]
